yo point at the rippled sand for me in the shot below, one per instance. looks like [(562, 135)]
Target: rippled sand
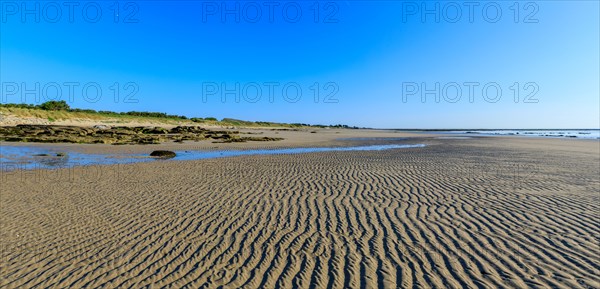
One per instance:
[(459, 213)]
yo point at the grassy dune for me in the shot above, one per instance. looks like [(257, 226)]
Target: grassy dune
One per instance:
[(75, 116), (52, 116)]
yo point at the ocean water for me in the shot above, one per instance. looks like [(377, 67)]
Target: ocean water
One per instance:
[(568, 133), (34, 157)]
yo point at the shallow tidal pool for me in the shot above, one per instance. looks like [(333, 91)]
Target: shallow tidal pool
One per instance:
[(38, 157)]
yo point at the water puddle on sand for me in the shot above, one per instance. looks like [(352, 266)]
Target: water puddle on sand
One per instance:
[(31, 157), (372, 138)]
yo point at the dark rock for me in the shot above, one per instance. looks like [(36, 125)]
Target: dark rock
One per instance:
[(262, 138), (118, 135), (16, 139), (156, 130), (230, 140), (163, 154)]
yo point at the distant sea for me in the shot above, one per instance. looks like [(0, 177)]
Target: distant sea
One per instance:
[(553, 133)]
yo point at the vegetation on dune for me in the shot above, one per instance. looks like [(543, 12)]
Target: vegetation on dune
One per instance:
[(60, 110), (54, 105), (62, 106)]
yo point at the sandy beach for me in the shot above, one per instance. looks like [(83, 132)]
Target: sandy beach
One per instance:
[(480, 212)]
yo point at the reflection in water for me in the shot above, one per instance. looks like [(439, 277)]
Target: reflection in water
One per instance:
[(52, 161)]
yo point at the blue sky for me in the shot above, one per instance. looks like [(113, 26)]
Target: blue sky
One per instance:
[(363, 63)]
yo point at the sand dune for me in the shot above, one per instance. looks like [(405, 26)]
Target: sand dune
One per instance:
[(459, 213)]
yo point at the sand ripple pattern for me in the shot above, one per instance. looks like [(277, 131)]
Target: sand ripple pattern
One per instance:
[(456, 214)]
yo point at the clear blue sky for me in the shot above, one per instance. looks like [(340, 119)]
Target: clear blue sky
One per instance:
[(373, 57)]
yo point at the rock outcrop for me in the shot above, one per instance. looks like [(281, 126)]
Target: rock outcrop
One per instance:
[(118, 135)]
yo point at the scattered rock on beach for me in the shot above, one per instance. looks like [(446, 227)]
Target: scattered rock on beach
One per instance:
[(117, 135), (163, 154)]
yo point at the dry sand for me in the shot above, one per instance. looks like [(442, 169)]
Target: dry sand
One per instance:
[(494, 212)]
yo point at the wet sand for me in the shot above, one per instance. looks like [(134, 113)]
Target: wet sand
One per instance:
[(484, 212)]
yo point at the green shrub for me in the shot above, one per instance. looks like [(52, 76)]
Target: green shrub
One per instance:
[(54, 105), (83, 110)]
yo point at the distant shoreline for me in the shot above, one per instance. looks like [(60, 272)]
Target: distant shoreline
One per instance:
[(593, 134), (489, 129)]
